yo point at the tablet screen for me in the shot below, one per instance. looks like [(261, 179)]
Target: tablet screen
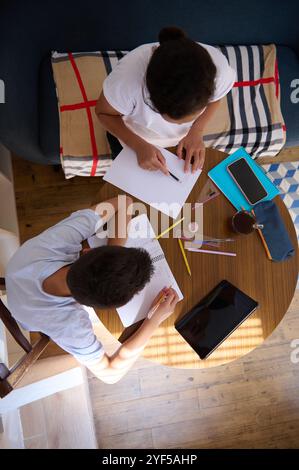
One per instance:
[(213, 319)]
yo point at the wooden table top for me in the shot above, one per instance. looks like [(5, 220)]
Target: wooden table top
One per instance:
[(271, 284)]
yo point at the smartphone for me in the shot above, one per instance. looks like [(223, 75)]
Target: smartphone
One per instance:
[(247, 181)]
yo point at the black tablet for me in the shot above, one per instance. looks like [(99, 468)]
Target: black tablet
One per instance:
[(213, 319)]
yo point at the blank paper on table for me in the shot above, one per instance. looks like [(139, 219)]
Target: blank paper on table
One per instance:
[(153, 187)]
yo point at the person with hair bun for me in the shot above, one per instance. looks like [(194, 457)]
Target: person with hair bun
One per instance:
[(163, 94)]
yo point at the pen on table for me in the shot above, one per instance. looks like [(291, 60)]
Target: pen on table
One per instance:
[(168, 229), (224, 253), (184, 256), (174, 177), (207, 240)]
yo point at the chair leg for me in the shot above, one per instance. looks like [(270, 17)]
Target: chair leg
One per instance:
[(5, 388), (20, 369), (13, 328)]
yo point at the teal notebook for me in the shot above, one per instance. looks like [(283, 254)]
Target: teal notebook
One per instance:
[(221, 177)]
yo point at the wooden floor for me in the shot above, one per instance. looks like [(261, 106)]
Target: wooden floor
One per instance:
[(249, 403), (44, 196), (59, 421)]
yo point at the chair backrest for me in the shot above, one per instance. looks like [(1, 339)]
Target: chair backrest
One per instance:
[(10, 378), (12, 326)]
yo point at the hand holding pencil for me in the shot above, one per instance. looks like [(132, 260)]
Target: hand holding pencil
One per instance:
[(163, 305), (150, 158)]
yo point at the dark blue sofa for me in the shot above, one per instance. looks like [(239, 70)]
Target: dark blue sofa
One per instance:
[(30, 29)]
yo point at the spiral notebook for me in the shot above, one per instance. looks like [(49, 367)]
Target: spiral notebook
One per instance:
[(142, 235)]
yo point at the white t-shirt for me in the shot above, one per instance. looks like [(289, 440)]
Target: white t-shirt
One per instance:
[(125, 90)]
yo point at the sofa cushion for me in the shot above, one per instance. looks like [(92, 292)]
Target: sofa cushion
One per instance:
[(249, 116), (288, 64)]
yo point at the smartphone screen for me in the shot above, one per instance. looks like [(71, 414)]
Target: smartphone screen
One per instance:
[(247, 181)]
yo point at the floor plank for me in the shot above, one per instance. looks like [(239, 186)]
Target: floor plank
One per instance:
[(59, 421), (251, 403)]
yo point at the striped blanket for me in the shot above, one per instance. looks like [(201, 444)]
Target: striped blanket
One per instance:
[(249, 116)]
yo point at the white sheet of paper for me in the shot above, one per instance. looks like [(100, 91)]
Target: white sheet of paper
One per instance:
[(141, 235), (153, 187)]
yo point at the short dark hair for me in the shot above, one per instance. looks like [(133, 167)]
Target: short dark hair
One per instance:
[(109, 276), (180, 76)]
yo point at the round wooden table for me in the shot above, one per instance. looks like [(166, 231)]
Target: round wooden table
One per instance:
[(271, 284)]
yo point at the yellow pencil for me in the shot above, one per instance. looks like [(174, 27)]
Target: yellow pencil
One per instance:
[(158, 303), (168, 229), (184, 256)]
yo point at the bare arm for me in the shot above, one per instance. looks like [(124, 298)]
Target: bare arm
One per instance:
[(149, 157), (112, 369), (115, 211), (112, 121)]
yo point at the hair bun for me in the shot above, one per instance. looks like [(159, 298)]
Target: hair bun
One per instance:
[(171, 33)]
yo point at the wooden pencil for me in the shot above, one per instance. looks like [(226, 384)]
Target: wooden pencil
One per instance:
[(169, 228), (158, 303), (154, 308), (184, 256)]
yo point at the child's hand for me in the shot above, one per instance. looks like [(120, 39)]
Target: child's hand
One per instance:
[(194, 147), (150, 158), (166, 307)]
